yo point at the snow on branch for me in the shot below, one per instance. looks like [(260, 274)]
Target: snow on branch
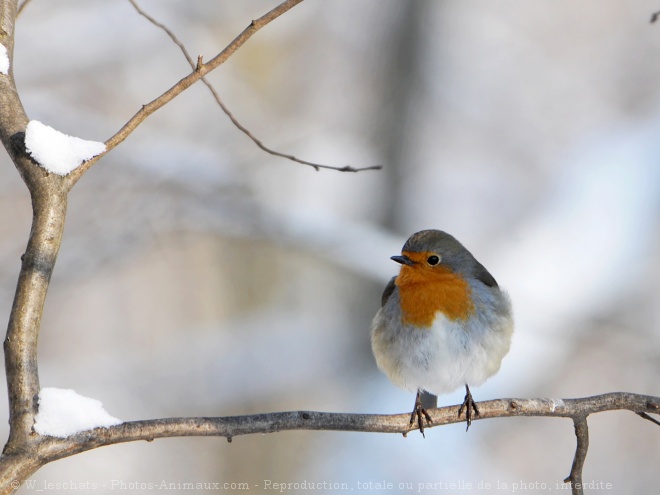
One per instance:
[(57, 152), (4, 60), (63, 412)]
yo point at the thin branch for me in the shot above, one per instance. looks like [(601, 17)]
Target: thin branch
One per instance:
[(182, 85), (228, 113), (167, 31), (262, 146), (21, 7), (654, 16), (646, 416), (582, 436)]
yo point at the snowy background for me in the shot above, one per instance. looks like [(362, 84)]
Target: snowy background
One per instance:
[(200, 276)]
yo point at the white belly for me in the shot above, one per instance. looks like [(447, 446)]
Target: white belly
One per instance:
[(445, 356)]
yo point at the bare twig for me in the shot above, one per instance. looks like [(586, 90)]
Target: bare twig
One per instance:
[(182, 85), (167, 30), (21, 7), (654, 16), (228, 113), (582, 436), (646, 416)]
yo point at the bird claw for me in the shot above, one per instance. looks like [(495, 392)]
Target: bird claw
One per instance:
[(420, 414), (469, 405)]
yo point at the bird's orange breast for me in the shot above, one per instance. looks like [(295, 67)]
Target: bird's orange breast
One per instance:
[(425, 290)]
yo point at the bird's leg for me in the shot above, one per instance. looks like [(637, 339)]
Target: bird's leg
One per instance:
[(420, 414), (469, 405)]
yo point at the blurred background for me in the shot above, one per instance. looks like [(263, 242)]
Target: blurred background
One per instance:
[(200, 276)]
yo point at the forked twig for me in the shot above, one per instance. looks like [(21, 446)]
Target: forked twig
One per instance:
[(200, 71), (194, 65)]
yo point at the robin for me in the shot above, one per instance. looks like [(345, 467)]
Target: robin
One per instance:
[(444, 322)]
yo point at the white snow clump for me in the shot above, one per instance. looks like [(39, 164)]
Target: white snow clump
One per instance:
[(4, 60), (57, 152), (62, 412)]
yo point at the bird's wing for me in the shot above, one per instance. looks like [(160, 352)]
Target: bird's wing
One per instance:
[(388, 291), (480, 273)]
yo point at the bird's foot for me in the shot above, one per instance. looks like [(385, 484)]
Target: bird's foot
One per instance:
[(469, 405), (420, 414)]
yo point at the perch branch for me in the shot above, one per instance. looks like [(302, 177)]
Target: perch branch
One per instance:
[(182, 85), (195, 64), (49, 449), (232, 426)]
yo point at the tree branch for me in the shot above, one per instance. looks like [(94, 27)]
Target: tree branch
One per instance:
[(582, 435), (200, 71), (14, 469), (20, 345), (231, 426), (49, 210), (48, 196), (228, 113)]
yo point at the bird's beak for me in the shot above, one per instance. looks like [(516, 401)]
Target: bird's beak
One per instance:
[(404, 260)]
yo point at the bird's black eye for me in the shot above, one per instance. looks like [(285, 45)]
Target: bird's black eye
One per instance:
[(433, 260)]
